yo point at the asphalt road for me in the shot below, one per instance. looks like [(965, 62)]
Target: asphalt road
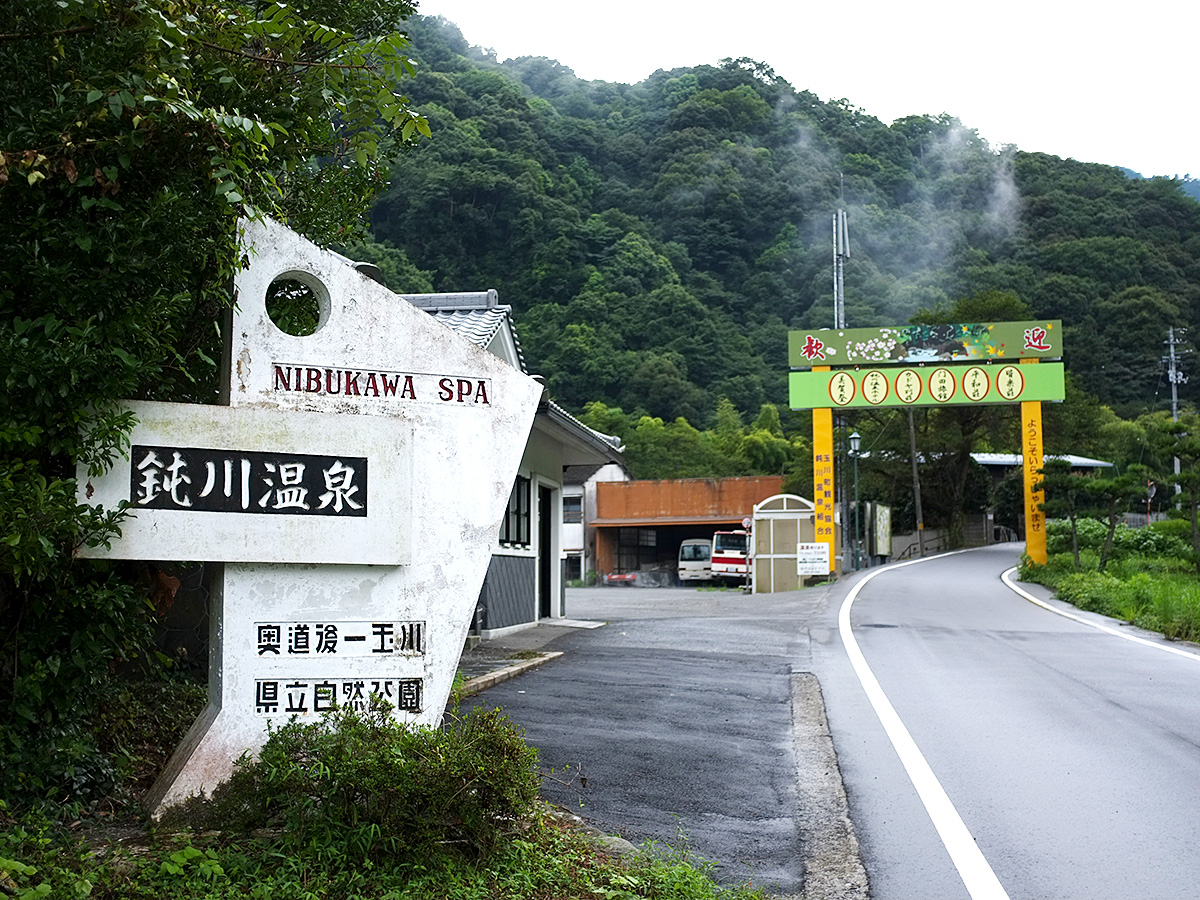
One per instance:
[(1072, 756), (1059, 761)]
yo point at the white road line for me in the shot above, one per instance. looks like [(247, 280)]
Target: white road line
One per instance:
[(976, 873), (1005, 577)]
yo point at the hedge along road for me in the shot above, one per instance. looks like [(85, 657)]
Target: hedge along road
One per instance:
[(1068, 756)]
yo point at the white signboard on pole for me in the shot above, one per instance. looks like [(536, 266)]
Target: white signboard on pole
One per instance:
[(812, 559)]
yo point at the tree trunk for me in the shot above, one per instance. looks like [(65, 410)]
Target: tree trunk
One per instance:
[(956, 527), (1196, 532), (1075, 539), (1108, 540)]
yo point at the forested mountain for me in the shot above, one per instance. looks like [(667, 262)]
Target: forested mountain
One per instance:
[(658, 240), (1190, 185)]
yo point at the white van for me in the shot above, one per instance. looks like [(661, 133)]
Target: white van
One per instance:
[(695, 560)]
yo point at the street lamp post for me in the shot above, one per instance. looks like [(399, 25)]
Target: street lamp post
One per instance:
[(855, 446)]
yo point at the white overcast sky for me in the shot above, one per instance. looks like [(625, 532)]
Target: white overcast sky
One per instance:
[(1106, 83)]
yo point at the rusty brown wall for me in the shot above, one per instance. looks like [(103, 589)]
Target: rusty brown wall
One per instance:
[(606, 550), (683, 499)]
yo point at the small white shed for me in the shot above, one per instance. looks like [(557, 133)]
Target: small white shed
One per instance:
[(781, 523)]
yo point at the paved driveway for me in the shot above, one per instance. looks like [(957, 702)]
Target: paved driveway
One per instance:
[(674, 722)]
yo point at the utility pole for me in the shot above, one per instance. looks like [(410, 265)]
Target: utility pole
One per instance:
[(912, 449), (841, 250), (1176, 378)]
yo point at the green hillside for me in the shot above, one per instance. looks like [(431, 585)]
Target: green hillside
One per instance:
[(658, 240)]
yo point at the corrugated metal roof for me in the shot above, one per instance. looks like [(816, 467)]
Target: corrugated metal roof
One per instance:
[(1014, 459), (650, 521)]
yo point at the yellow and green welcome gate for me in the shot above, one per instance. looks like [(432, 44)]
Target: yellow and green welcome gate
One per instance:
[(926, 365)]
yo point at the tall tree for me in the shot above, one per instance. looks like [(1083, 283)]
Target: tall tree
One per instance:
[(1065, 495), (1183, 443), (133, 135), (1113, 496)]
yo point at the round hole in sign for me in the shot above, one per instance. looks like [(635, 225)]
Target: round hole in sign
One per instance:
[(297, 303)]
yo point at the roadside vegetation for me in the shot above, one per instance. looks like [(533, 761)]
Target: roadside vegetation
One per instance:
[(352, 806), (1147, 577)]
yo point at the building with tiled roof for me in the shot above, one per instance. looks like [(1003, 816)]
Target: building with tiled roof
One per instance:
[(527, 577)]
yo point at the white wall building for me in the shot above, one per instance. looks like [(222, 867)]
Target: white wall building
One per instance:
[(579, 510), (528, 572)]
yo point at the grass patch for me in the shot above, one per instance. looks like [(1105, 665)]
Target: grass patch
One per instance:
[(354, 806), (1155, 592), (547, 861), (526, 654)]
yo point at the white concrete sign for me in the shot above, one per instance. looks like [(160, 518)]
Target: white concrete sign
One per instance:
[(352, 490), (256, 485), (812, 559)]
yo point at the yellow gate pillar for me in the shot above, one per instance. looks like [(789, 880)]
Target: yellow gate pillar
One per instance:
[(823, 479), (1031, 454)]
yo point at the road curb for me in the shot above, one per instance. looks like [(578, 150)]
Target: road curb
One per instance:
[(612, 844), (483, 682), (833, 866)]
